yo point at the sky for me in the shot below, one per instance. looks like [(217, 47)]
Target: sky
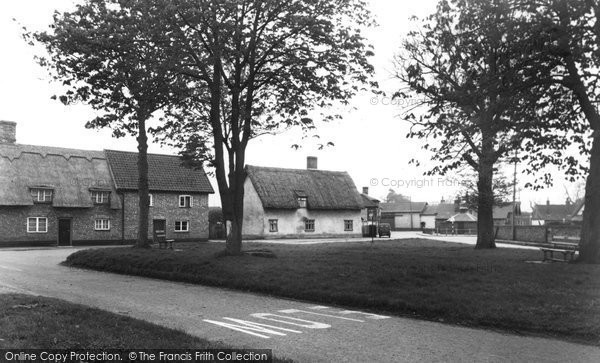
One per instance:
[(370, 141)]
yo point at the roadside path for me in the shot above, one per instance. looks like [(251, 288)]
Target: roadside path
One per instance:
[(302, 331)]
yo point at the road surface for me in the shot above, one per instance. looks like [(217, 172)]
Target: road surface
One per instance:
[(305, 332)]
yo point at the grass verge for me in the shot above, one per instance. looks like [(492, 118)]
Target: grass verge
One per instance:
[(433, 280), (36, 322)]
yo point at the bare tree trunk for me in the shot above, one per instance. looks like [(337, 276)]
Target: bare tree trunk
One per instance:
[(234, 237), (589, 244), (143, 186), (485, 203)]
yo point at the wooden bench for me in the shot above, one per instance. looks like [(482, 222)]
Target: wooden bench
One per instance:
[(566, 249), (165, 243)]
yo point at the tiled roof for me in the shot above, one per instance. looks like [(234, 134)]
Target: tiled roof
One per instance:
[(554, 212), (166, 173), (445, 210), (403, 207), (463, 217), (279, 188), (70, 173), (502, 211)]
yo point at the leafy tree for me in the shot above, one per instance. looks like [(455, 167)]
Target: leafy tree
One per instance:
[(564, 37), (393, 197), (502, 187), (259, 66), (106, 56), (467, 65)]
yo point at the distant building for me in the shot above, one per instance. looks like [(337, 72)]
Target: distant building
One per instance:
[(300, 203), (370, 213), (463, 222), (567, 213), (503, 215), (402, 215), (59, 196)]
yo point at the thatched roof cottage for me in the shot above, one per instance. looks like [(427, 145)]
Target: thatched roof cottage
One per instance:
[(300, 203)]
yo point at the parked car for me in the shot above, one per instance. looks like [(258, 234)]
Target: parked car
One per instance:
[(385, 230)]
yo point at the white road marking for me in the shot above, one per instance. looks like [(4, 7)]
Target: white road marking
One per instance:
[(368, 315), (249, 327), (294, 311), (346, 312), (11, 268), (286, 320)]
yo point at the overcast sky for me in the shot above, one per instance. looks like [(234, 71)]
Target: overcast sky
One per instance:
[(370, 141)]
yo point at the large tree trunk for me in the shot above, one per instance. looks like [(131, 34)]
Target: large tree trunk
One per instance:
[(233, 245), (234, 237), (485, 203), (143, 187), (589, 244)]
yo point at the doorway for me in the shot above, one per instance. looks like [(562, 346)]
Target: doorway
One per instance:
[(64, 232), (159, 228)]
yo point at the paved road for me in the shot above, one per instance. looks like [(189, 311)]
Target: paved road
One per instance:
[(302, 331)]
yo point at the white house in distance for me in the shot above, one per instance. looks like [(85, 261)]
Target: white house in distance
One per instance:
[(300, 203)]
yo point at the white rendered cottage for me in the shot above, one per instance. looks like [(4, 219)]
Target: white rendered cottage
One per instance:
[(300, 203)]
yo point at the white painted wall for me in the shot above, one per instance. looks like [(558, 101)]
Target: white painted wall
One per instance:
[(429, 221), (291, 222), (404, 220)]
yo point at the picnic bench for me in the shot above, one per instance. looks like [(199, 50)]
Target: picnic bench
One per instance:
[(567, 250)]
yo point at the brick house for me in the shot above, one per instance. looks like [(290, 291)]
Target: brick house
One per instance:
[(300, 203), (59, 196)]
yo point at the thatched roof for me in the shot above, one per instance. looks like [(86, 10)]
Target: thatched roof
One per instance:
[(280, 188), (70, 173), (166, 173)]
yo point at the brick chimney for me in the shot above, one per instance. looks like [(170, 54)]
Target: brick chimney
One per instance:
[(8, 132), (311, 162), (365, 190)]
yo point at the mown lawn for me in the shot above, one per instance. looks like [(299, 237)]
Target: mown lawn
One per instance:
[(428, 279), (36, 322)]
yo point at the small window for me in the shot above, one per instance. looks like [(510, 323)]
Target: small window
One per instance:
[(302, 202), (185, 201), (41, 195), (151, 203), (309, 225), (99, 197), (37, 225), (272, 225), (102, 225), (182, 226), (348, 225)]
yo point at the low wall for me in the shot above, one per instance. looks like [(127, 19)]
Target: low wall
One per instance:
[(543, 234)]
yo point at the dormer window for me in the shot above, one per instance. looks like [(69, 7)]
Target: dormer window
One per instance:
[(100, 197), (302, 202), (301, 197), (41, 195)]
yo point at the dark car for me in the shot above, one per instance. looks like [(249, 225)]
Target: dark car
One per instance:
[(384, 230)]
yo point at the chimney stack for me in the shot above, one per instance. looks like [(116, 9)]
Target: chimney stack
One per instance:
[(311, 162), (366, 190), (8, 132)]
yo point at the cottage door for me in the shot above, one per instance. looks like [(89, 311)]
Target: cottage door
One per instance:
[(64, 232), (159, 227)]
